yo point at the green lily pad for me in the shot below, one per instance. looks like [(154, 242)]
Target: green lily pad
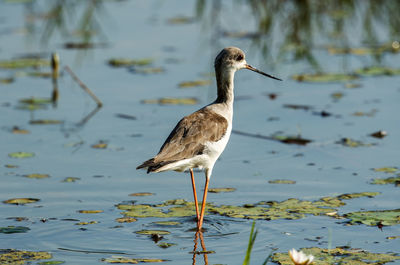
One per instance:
[(338, 255), (147, 70), (36, 101), (99, 145), (90, 211), (153, 232), (167, 223), (21, 155), (70, 179), (125, 260), (218, 190), (126, 220), (19, 257), (171, 101), (24, 63), (140, 194), (17, 130), (186, 84), (165, 245), (14, 229), (120, 62), (37, 176), (270, 210), (353, 143), (7, 80), (45, 122), (386, 169), (21, 201), (87, 223), (389, 180), (52, 262), (349, 196), (370, 113), (377, 71), (282, 181), (373, 218), (324, 77), (291, 139)]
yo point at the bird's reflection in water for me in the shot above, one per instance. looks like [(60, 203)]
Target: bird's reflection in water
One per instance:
[(203, 252)]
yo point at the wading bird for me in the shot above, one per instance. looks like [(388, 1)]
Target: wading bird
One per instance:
[(199, 138)]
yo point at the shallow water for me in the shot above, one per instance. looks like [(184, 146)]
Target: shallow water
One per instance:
[(140, 29)]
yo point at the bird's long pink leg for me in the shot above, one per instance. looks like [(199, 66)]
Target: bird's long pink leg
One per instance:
[(203, 204), (195, 196)]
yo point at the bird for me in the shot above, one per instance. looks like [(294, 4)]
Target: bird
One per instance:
[(198, 139)]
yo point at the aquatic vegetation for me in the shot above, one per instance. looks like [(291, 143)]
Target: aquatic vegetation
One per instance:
[(100, 145), (126, 260), (195, 83), (377, 71), (379, 134), (324, 77), (21, 201), (45, 122), (389, 180), (24, 63), (353, 143), (90, 211), (70, 179), (386, 169), (19, 257), (338, 255), (122, 62), (153, 232), (126, 220), (299, 258), (21, 155), (374, 218), (14, 229), (282, 181), (218, 190), (140, 194), (37, 176)]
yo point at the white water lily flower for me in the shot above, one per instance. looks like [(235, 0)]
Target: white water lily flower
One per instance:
[(299, 258)]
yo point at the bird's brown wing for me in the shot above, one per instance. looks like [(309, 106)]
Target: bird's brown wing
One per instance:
[(188, 138)]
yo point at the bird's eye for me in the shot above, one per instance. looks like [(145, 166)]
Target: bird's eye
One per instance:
[(239, 57)]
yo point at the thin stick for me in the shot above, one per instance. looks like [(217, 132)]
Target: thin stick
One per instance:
[(83, 86)]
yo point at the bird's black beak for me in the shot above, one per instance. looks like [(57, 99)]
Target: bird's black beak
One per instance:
[(247, 66)]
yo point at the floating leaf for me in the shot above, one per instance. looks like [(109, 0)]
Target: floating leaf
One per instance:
[(129, 62), (297, 106), (390, 180), (337, 96), (324, 77), (70, 179), (90, 211), (14, 229), (125, 260), (17, 130), (392, 237), (386, 169), (44, 122), (348, 196), (338, 255), (352, 143), (24, 63), (241, 34), (218, 190), (36, 101), (167, 223), (126, 220), (180, 20), (52, 262), (171, 101), (87, 223), (373, 218), (125, 116), (37, 176), (100, 145), (377, 71), (8, 80), (186, 84), (13, 256), (370, 113), (147, 70), (165, 245), (291, 139), (282, 181), (153, 232), (19, 201), (11, 166), (141, 194), (21, 155)]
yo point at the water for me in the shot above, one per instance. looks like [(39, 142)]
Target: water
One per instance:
[(141, 29)]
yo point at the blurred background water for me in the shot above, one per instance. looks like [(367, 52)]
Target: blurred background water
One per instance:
[(182, 38)]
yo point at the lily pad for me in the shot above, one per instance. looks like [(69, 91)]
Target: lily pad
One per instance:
[(171, 101), (165, 245), (17, 130), (324, 77), (90, 211), (268, 210), (147, 70), (21, 155), (373, 218), (100, 145), (348, 196), (52, 262), (126, 220), (377, 71), (167, 223), (87, 223), (282, 181), (21, 201), (45, 122), (353, 143), (14, 229), (218, 190), (338, 255), (24, 63), (186, 84), (37, 176), (36, 101), (125, 260), (153, 232), (181, 20), (390, 180), (70, 179), (19, 257), (386, 169), (141, 194), (121, 62)]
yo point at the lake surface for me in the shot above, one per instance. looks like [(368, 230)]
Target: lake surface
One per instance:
[(182, 38)]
